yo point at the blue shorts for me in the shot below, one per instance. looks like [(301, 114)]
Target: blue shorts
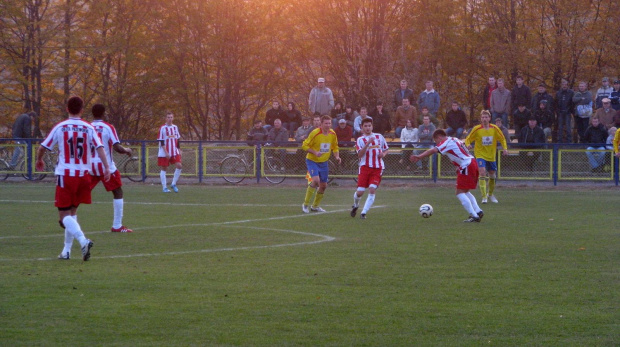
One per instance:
[(318, 169), (488, 165)]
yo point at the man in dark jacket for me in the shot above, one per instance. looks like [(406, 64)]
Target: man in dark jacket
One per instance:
[(521, 94), (544, 117), (275, 112), (531, 136), (520, 117), (486, 94), (381, 119), (22, 129), (402, 93), (564, 110), (596, 135), (542, 95)]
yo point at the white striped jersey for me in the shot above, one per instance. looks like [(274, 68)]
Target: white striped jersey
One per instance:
[(170, 135), (74, 138), (107, 135), (371, 158), (456, 152)]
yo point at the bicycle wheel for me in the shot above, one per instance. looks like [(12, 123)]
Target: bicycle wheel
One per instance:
[(352, 168), (36, 175), (131, 170), (4, 170), (233, 169), (274, 170), (333, 170)]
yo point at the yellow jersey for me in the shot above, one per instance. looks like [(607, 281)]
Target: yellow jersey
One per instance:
[(616, 141), (324, 144), (485, 141)]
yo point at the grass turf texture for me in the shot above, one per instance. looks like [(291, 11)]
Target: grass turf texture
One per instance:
[(541, 269)]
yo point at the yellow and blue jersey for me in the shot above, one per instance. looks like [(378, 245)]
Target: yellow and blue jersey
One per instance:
[(325, 144), (485, 141)]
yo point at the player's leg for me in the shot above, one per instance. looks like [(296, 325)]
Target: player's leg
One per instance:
[(313, 172), (163, 164), (492, 170), (482, 180), (375, 180), (177, 173), (467, 179), (323, 177)]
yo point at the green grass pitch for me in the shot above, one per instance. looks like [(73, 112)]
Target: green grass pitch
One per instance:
[(243, 266)]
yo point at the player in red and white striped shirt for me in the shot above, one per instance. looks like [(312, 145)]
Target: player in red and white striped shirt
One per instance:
[(169, 152), (109, 139), (371, 148), (74, 138), (466, 172)]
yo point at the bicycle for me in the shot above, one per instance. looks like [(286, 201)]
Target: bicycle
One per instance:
[(234, 168), (349, 165), (130, 167), (5, 168)]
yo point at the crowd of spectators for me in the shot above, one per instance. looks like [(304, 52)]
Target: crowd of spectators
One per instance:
[(563, 117)]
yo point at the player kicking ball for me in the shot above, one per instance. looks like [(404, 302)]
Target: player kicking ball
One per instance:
[(371, 149), (466, 172)]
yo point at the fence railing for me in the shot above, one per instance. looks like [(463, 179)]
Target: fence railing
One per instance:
[(234, 161)]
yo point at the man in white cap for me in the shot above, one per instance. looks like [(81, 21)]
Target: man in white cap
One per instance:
[(321, 98), (606, 113)]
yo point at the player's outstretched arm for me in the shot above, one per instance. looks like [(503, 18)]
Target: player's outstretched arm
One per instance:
[(414, 158), (122, 150)]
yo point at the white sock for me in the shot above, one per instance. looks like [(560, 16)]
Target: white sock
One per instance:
[(68, 239), (467, 204), (356, 200), (368, 204), (74, 229), (175, 178), (473, 201), (118, 213), (162, 176)]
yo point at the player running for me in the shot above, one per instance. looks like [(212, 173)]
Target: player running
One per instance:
[(109, 139), (486, 135), (74, 138), (371, 148), (319, 144), (169, 152), (466, 173)]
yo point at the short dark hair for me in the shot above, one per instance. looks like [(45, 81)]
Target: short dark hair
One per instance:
[(98, 110), (439, 132), (366, 120), (325, 117), (75, 104), (32, 114)]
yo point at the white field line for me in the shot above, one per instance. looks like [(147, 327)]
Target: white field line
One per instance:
[(322, 238)]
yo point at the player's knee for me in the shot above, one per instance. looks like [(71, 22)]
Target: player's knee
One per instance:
[(492, 175)]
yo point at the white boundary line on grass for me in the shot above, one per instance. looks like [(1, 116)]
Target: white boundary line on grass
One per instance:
[(323, 238)]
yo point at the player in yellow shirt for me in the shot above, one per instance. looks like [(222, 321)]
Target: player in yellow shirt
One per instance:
[(319, 144), (485, 136), (616, 143)]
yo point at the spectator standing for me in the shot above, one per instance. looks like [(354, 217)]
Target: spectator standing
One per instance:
[(303, 131), (293, 119), (402, 93), (456, 121), (521, 94), (403, 113), (380, 119), (371, 148), (275, 112), (603, 92), (500, 102), (606, 114), (22, 129), (74, 138), (169, 152), (615, 96), (486, 94), (109, 139), (533, 137), (596, 135), (544, 117), (485, 136), (582, 99), (564, 110), (321, 98), (344, 133), (429, 98), (520, 118), (542, 95)]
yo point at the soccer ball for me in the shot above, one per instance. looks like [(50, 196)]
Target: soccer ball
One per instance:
[(426, 210)]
